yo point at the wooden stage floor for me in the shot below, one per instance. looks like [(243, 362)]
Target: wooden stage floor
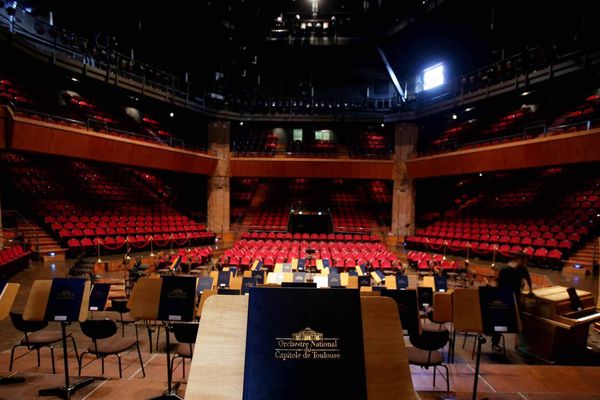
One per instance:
[(513, 377)]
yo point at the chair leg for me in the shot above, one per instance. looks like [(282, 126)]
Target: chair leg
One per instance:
[(157, 337), (141, 361), (38, 355), (80, 361), (12, 357), (183, 367), (434, 372), (102, 360), (122, 326), (52, 358), (447, 377), (149, 336), (120, 371), (75, 348)]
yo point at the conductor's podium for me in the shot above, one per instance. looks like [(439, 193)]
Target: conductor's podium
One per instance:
[(556, 324), (217, 371)]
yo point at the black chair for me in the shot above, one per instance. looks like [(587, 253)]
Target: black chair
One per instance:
[(35, 338), (120, 306), (104, 343), (185, 334), (426, 351)]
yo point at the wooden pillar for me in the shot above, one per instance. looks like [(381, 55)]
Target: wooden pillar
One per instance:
[(403, 201), (218, 183)]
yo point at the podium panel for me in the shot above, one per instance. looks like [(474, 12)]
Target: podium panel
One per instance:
[(217, 370)]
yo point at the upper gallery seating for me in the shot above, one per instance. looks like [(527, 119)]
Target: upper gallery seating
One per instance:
[(82, 110), (578, 117), (370, 145), (547, 216), (112, 206), (343, 255), (315, 148), (516, 124), (254, 144)]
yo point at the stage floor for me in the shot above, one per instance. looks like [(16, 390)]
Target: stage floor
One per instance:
[(513, 377)]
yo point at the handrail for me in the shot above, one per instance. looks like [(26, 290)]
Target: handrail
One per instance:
[(90, 122), (19, 215), (455, 145)]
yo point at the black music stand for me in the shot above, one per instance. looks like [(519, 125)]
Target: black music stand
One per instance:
[(176, 301), (8, 293), (67, 302), (499, 314)]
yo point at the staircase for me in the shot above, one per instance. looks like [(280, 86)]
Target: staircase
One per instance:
[(41, 241), (585, 255)]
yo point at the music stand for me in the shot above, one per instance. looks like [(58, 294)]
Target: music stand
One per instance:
[(8, 293), (170, 299), (61, 300)]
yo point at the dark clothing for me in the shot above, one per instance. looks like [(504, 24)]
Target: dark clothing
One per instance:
[(510, 278)]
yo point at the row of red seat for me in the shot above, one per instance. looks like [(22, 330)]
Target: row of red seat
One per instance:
[(114, 243), (311, 236), (344, 255), (13, 260)]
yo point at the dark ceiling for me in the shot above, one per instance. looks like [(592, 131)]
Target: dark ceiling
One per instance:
[(230, 36)]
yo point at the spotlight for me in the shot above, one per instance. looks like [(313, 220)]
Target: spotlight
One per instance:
[(171, 114), (297, 16), (382, 125), (480, 174), (454, 116), (241, 123)]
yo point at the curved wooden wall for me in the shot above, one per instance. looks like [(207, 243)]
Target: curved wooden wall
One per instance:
[(41, 137), (568, 148), (311, 168)]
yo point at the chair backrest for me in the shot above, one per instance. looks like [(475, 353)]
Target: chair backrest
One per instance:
[(98, 328), (467, 310), (205, 295), (119, 305), (430, 340), (26, 326), (442, 307), (186, 333)]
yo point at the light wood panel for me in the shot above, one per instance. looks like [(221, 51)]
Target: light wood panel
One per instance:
[(217, 371), (35, 308), (145, 298), (8, 298), (560, 149), (46, 138), (312, 168)]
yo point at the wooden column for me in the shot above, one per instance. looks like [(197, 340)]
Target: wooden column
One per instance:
[(403, 201), (218, 183)]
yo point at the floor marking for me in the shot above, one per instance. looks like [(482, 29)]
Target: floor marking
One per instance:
[(482, 379), (140, 368)]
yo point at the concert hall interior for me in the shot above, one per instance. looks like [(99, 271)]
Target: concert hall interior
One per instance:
[(300, 199)]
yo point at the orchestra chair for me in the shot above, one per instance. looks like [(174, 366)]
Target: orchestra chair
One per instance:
[(185, 334), (104, 343), (120, 306), (36, 337), (466, 312), (426, 351), (236, 283), (205, 295), (428, 281)]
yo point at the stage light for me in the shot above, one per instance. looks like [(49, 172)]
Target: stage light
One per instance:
[(297, 16), (433, 76), (303, 26), (52, 254), (480, 174), (325, 25), (280, 19), (454, 116), (383, 125), (241, 123), (469, 109), (525, 93), (74, 79), (172, 114)]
